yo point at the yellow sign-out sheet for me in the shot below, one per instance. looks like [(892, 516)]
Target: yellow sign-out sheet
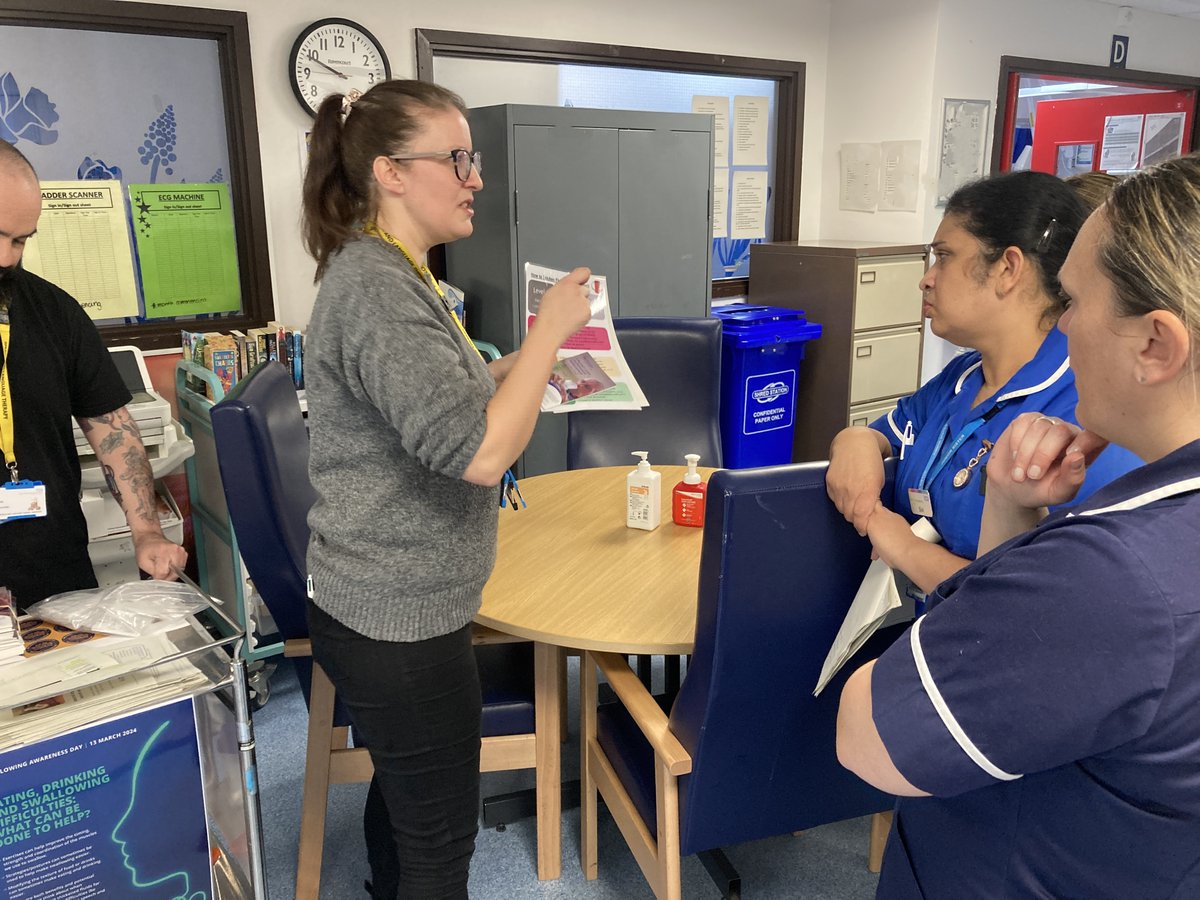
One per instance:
[(82, 245)]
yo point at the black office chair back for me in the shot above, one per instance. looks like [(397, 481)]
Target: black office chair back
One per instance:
[(262, 449), (778, 570), (677, 363)]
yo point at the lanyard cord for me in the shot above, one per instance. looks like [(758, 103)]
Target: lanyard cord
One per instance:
[(931, 471), (509, 490), (422, 271), (7, 439)]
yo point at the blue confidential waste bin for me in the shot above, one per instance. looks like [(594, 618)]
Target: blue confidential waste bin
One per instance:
[(761, 349)]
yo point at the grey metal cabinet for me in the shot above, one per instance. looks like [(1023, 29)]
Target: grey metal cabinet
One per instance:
[(626, 193)]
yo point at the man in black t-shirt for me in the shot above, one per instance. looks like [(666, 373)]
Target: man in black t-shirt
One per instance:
[(55, 367)]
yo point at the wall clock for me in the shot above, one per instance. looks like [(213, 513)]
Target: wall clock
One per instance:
[(333, 56)]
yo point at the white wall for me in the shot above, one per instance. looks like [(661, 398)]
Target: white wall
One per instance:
[(972, 36), (876, 70), (777, 29), (880, 79)]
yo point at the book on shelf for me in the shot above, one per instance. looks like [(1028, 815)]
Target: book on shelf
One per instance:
[(232, 356), (298, 358), (220, 358)]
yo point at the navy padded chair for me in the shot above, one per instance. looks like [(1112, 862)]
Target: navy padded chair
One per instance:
[(745, 751), (262, 448), (677, 363)]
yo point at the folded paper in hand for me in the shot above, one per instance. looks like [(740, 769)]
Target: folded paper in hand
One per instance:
[(590, 371), (877, 596)]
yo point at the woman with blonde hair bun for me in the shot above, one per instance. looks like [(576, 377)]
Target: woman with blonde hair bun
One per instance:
[(1041, 722)]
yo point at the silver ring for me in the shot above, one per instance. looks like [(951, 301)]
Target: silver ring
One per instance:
[(1050, 419)]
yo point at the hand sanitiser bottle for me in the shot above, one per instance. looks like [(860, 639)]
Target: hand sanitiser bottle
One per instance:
[(687, 499), (643, 495)]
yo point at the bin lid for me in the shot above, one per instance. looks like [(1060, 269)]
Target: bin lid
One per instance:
[(758, 326)]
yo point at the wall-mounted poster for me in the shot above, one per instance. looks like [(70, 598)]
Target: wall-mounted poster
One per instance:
[(155, 123), (82, 245), (858, 187), (186, 248), (964, 144), (1122, 143), (113, 810)]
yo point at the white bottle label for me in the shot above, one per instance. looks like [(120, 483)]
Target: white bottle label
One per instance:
[(639, 503)]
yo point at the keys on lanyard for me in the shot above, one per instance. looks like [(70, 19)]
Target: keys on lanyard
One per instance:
[(963, 476), (510, 491)]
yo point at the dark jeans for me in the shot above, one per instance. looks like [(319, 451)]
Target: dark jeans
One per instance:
[(416, 707)]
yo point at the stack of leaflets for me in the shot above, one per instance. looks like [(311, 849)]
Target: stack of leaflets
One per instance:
[(66, 678), (591, 372)]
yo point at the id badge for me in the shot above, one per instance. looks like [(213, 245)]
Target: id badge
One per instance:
[(911, 593), (920, 503), (22, 500)]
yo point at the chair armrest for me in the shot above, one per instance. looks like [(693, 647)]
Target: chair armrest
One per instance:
[(297, 647), (645, 712)]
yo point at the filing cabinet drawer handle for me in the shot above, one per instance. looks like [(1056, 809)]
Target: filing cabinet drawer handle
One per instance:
[(863, 351), (866, 277)]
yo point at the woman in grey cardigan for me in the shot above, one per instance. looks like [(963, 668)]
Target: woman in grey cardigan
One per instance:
[(411, 434)]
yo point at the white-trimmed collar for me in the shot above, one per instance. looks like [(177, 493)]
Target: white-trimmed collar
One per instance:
[(1159, 493), (1052, 349)]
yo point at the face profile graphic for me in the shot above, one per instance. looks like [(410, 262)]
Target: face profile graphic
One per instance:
[(158, 823)]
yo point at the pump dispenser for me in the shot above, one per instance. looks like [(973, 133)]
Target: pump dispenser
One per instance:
[(688, 497), (643, 495)]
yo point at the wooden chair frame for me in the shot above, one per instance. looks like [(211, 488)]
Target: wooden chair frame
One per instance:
[(329, 760), (659, 860)]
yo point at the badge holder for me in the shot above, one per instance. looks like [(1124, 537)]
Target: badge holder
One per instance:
[(22, 500)]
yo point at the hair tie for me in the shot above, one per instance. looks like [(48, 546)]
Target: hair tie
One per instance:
[(348, 101)]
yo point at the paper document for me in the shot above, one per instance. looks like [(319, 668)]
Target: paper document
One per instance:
[(82, 245), (877, 596), (603, 380), (574, 377)]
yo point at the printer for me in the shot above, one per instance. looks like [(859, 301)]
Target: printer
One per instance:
[(110, 544)]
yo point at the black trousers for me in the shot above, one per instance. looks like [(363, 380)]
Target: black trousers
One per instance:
[(416, 707)]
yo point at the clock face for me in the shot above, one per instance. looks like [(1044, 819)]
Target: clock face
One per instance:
[(334, 56)]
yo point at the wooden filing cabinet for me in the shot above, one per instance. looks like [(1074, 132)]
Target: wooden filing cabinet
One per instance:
[(867, 300)]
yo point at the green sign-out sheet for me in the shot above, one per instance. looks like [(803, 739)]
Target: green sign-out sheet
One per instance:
[(186, 248)]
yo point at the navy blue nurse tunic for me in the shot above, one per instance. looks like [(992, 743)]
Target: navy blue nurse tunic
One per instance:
[(1050, 701)]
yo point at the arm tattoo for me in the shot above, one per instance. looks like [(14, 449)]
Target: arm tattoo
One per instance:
[(123, 458)]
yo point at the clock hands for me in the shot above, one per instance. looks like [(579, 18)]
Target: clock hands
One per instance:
[(325, 65)]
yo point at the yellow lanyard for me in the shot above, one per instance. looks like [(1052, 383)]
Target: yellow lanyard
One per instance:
[(7, 440), (510, 491), (423, 271)]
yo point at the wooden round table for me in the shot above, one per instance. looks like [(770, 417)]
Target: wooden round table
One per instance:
[(570, 574)]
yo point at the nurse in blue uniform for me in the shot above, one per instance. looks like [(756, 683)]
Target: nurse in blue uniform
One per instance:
[(1041, 722), (992, 286)]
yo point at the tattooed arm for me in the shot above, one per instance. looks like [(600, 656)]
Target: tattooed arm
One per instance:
[(118, 446)]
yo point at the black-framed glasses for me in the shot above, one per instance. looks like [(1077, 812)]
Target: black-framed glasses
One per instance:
[(464, 160)]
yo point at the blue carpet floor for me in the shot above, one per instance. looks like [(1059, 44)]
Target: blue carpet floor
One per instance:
[(827, 863)]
